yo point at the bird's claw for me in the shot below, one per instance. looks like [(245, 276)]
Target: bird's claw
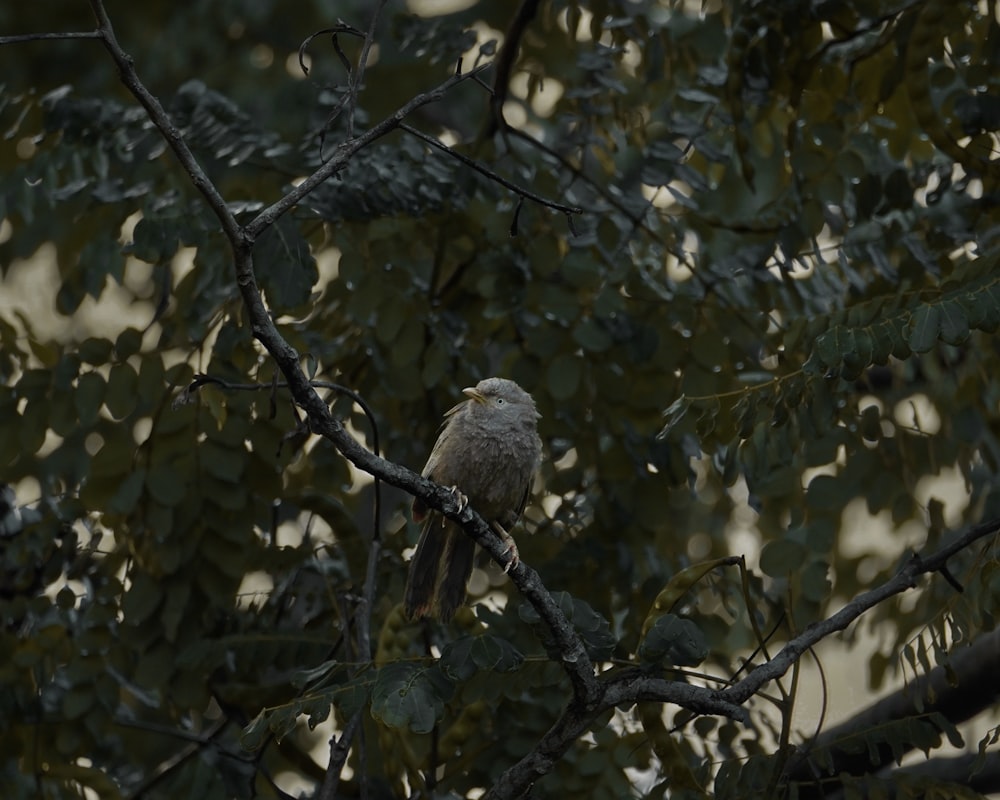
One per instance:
[(508, 540), (460, 498)]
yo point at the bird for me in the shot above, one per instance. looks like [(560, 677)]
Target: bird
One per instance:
[(488, 451)]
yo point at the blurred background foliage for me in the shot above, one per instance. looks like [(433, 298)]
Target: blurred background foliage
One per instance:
[(768, 334)]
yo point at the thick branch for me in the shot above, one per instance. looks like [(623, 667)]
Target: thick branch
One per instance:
[(635, 688), (971, 688), (959, 770), (516, 780)]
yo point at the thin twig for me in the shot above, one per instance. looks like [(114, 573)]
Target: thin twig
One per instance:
[(339, 748), (505, 64), (168, 765), (475, 165), (904, 579), (343, 153), (356, 77), (38, 37)]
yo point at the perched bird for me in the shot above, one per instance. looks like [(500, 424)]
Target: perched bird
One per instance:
[(488, 451)]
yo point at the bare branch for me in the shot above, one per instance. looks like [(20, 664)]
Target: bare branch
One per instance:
[(339, 750), (505, 64), (904, 579), (38, 37), (960, 770), (343, 153), (493, 176), (358, 76), (340, 27), (168, 130)]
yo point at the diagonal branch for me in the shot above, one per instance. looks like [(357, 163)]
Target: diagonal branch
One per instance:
[(338, 160), (493, 176), (904, 579), (161, 119), (967, 687)]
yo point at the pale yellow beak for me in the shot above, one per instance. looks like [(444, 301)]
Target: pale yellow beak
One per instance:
[(473, 394)]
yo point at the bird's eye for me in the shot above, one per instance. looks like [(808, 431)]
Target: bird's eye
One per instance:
[(499, 401)]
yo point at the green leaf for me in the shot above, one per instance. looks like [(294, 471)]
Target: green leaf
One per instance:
[(154, 240), (814, 580), (828, 347), (954, 323), (77, 701), (828, 492), (592, 336), (564, 375), (95, 351), (125, 499), (410, 696), (89, 397), (285, 265), (142, 599), (592, 627), (279, 721), (924, 328), (224, 463), (166, 484), (128, 343), (121, 395), (674, 640), (781, 557), (461, 659), (677, 411)]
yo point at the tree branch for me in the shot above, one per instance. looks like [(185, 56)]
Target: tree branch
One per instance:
[(493, 176), (37, 37), (343, 153), (505, 65), (357, 77), (576, 662), (904, 579), (169, 131), (959, 770), (970, 688)]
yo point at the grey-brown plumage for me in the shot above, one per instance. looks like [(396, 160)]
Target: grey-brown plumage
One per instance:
[(488, 449)]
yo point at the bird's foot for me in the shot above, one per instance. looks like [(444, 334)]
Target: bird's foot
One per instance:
[(460, 498), (511, 546)]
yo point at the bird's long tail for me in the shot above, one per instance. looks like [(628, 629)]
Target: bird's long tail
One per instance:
[(439, 570), (456, 567), (422, 577)]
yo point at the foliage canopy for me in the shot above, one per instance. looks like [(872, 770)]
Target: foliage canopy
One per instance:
[(768, 327)]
